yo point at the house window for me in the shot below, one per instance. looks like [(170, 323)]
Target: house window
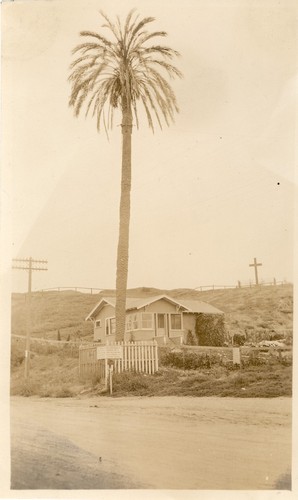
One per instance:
[(128, 323), (98, 323), (147, 321), (110, 326), (176, 322), (135, 322)]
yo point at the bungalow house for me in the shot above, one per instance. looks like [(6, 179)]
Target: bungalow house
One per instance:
[(160, 317)]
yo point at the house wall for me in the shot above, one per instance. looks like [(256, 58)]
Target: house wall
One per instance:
[(100, 332), (189, 322), (141, 335), (162, 306)]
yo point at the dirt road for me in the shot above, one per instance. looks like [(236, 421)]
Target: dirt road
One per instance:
[(164, 443)]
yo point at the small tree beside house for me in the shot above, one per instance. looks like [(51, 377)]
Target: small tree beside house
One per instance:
[(210, 330)]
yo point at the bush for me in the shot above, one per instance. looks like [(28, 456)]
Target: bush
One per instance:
[(64, 392), (188, 360), (17, 358), (190, 339), (276, 336), (239, 339), (27, 388), (210, 329), (127, 382)]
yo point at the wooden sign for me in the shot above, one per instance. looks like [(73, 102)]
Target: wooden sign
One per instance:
[(110, 352)]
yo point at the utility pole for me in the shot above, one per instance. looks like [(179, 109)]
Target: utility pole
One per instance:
[(255, 265), (28, 265)]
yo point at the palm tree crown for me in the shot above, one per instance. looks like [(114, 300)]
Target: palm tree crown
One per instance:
[(116, 74)]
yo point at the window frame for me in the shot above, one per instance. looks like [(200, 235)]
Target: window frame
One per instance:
[(110, 329), (151, 320), (181, 322), (134, 321)]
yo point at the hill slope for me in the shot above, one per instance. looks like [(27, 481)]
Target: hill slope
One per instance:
[(256, 312)]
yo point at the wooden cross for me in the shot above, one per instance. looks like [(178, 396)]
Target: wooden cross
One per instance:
[(255, 265)]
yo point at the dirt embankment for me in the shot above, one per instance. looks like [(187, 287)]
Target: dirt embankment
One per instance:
[(163, 443)]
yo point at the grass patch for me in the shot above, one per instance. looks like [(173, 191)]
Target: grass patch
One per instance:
[(57, 375), (217, 381)]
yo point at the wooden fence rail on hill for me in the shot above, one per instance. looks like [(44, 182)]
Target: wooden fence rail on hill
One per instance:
[(240, 284), (135, 356)]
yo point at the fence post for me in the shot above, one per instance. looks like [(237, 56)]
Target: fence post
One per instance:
[(149, 359), (111, 378), (140, 357), (146, 358), (156, 357), (106, 374)]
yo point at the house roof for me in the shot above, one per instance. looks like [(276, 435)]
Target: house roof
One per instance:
[(135, 303), (197, 306)]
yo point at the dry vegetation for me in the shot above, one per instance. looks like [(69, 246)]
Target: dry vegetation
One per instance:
[(54, 368), (255, 311)]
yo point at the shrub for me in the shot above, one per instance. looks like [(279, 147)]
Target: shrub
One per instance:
[(210, 329), (27, 388), (126, 382), (239, 339), (254, 359), (188, 360), (63, 392), (276, 336), (17, 358), (190, 339)]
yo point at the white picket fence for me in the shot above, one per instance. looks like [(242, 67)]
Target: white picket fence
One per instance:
[(136, 357)]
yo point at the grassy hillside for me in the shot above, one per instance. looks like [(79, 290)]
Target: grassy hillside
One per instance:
[(54, 367), (257, 311)]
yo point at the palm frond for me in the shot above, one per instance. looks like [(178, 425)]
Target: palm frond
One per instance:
[(110, 74), (84, 47), (111, 26), (127, 22), (165, 51), (145, 36), (98, 36), (142, 23), (171, 70)]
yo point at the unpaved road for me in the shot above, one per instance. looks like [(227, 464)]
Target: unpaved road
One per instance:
[(163, 443)]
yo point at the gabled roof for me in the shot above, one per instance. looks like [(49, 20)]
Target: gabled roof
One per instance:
[(135, 303)]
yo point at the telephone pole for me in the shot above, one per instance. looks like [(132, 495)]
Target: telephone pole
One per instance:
[(28, 265)]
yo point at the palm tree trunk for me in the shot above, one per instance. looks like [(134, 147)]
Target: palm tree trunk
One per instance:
[(123, 240)]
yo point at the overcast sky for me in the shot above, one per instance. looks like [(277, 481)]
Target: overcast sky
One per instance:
[(209, 193)]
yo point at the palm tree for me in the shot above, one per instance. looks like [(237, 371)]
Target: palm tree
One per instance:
[(118, 73)]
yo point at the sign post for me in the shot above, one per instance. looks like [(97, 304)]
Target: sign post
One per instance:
[(108, 353)]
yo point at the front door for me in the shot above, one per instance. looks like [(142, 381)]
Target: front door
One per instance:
[(161, 325)]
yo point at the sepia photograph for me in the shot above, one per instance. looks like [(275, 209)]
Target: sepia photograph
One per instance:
[(147, 249)]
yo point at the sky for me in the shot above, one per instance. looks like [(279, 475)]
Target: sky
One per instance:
[(209, 193)]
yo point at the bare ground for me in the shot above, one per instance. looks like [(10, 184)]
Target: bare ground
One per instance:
[(163, 443)]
